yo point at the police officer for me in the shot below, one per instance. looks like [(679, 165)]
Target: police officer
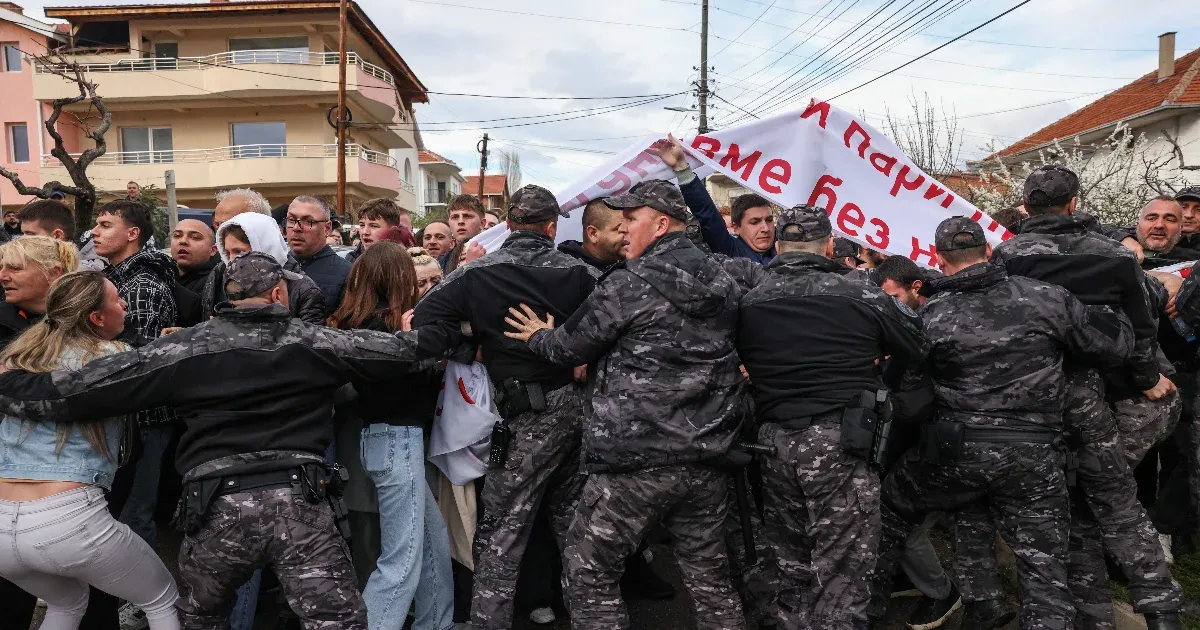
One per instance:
[(822, 500), (255, 389), (997, 347), (539, 400), (1056, 248), (666, 403)]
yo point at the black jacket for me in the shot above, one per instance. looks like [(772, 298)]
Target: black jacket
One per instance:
[(810, 338), (304, 296), (575, 248), (409, 400), (525, 270), (13, 321), (250, 380), (329, 271), (195, 277)]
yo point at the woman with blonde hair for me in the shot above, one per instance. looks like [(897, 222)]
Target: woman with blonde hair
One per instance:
[(55, 523), (28, 266), (429, 272)]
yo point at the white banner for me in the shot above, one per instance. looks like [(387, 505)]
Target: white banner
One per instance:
[(820, 156)]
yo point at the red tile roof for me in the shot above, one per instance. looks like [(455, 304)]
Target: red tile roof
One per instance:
[(429, 157), (492, 185), (1144, 94)]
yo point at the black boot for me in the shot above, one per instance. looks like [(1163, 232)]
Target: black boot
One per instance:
[(932, 613), (1163, 621), (988, 614), (641, 582)]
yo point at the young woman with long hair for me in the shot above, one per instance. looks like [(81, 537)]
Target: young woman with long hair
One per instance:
[(54, 519), (414, 555)]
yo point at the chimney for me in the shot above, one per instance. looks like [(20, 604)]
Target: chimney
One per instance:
[(1166, 56), (12, 6)]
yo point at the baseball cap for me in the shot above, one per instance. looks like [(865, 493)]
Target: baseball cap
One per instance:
[(1190, 193), (533, 204), (943, 237), (253, 274), (812, 221), (658, 194), (845, 248), (1050, 185)]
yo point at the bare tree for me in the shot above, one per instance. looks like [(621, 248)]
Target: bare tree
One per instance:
[(933, 143), (81, 188), (510, 165)]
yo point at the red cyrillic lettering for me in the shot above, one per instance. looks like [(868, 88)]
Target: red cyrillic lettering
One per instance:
[(616, 183), (948, 200), (883, 163), (917, 252), (732, 161), (882, 236), (934, 190), (709, 148), (775, 170), (857, 128), (901, 180), (635, 164), (813, 107), (849, 218), (823, 189)]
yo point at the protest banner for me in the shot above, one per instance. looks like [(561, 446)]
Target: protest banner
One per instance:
[(820, 156)]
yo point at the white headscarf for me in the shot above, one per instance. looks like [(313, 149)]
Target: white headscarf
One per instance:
[(263, 233)]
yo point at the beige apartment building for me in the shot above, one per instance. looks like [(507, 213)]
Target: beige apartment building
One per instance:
[(230, 94)]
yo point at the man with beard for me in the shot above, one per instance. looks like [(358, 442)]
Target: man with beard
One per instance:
[(1159, 230), (601, 245)]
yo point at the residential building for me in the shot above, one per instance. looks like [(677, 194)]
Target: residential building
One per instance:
[(21, 117), (439, 180), (495, 190), (230, 94), (1164, 105)]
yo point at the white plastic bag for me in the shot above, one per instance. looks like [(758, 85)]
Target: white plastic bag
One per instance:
[(462, 423)]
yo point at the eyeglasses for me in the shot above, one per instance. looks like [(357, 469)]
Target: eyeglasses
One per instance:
[(304, 224)]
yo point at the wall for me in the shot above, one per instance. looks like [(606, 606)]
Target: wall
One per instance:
[(17, 106)]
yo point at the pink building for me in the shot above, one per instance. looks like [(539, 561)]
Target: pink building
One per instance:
[(20, 115)]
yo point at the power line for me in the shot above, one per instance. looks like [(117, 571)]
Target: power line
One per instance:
[(746, 30)]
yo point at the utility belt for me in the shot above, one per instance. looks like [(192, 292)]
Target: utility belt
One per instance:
[(514, 397), (942, 440), (307, 481), (866, 425)]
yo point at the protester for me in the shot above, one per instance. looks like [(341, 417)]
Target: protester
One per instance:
[(12, 225), (465, 217), (46, 217), (53, 479), (902, 279), (542, 404), (308, 225), (602, 238), (429, 272), (648, 461), (490, 220), (414, 559), (235, 201), (133, 192), (194, 248), (375, 217), (437, 238)]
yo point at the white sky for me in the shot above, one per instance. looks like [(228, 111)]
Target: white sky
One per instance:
[(629, 47)]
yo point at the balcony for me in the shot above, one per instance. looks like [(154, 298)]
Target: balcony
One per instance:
[(246, 165), (170, 82), (433, 197)]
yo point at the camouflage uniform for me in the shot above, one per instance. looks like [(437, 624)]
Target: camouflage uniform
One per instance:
[(822, 503), (274, 527), (998, 345), (666, 397), (543, 453)]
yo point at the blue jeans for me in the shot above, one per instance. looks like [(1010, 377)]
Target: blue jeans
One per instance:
[(416, 547), (138, 512), (242, 617)]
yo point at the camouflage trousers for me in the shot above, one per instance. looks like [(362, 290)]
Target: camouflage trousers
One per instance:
[(250, 530), (542, 465), (823, 523), (757, 585), (617, 509), (1021, 487)]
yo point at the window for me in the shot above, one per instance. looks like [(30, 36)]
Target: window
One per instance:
[(146, 145), (407, 170), (12, 58), (18, 143), (166, 50), (259, 140), (269, 50)]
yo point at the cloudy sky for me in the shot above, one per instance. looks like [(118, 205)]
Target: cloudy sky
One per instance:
[(1027, 69)]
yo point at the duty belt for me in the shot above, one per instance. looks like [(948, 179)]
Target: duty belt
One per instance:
[(258, 481), (799, 424), (1012, 436)]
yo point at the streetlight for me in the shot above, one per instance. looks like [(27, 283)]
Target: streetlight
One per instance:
[(681, 109)]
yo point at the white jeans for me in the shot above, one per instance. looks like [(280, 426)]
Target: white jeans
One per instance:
[(55, 547)]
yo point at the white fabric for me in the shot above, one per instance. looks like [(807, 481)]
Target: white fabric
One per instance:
[(462, 425), (263, 233), (821, 156)]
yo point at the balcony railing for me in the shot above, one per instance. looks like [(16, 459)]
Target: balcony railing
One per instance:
[(436, 196), (236, 57), (408, 186), (245, 151)]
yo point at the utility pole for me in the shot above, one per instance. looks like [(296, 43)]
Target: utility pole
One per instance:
[(482, 146), (703, 91), (172, 203), (341, 111)]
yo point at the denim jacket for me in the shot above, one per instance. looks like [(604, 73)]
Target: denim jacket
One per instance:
[(28, 450)]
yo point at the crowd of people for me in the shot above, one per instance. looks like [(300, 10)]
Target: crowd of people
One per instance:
[(274, 398)]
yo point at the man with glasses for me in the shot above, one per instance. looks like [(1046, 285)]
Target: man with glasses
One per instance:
[(308, 225)]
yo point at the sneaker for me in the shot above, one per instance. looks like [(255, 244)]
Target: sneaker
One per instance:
[(542, 616), (932, 613), (1165, 541), (132, 617), (988, 614)]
